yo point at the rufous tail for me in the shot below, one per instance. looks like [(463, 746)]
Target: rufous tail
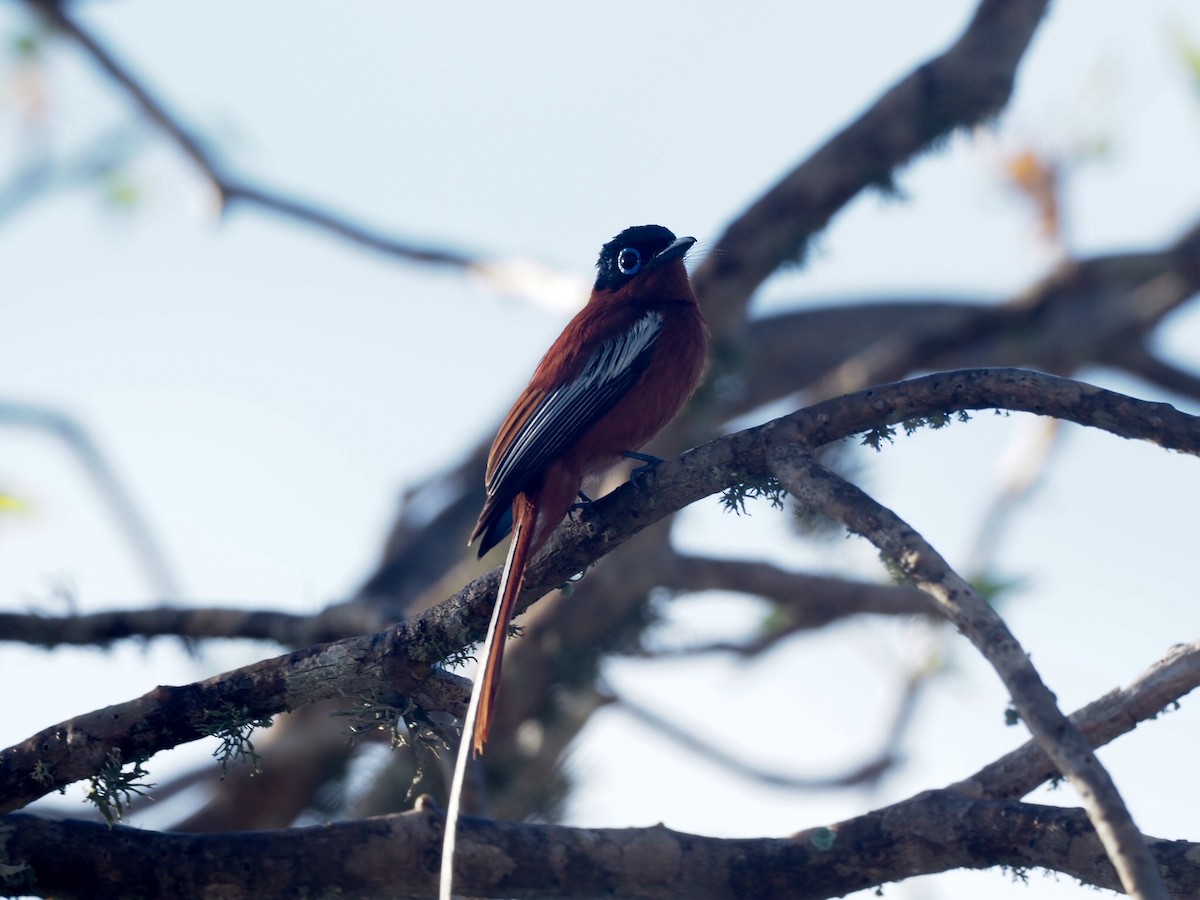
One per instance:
[(478, 720), (524, 514)]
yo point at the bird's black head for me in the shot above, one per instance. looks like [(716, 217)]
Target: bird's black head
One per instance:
[(636, 250)]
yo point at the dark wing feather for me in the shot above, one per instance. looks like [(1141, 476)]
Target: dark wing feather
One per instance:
[(563, 416)]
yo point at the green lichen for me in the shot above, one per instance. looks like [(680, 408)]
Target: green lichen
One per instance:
[(112, 789), (735, 496), (232, 725)]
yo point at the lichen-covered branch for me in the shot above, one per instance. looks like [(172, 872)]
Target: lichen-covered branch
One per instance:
[(906, 550), (402, 660), (1152, 694), (371, 666), (396, 856), (960, 826), (975, 823)]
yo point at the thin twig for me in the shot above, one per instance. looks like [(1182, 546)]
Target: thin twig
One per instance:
[(141, 536), (866, 773), (228, 189)]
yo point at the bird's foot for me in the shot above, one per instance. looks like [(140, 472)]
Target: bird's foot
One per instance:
[(584, 502), (648, 464)]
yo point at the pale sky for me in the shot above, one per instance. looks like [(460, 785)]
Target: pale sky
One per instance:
[(268, 391)]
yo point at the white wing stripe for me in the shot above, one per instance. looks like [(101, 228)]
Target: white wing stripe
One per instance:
[(618, 354), (566, 411)]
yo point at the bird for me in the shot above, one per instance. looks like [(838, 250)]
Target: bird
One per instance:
[(619, 372)]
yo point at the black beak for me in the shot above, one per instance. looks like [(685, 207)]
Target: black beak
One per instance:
[(677, 249)]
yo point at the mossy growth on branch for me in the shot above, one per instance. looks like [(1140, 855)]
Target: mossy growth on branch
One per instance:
[(232, 725), (113, 788), (734, 497), (876, 437)]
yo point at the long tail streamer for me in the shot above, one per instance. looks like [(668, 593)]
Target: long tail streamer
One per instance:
[(478, 720)]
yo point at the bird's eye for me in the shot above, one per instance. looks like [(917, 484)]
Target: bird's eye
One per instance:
[(629, 261)]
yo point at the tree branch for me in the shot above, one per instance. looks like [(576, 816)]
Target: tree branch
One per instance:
[(340, 620), (364, 667), (395, 856), (867, 772), (962, 87), (108, 483), (807, 601), (1137, 359), (228, 189), (1097, 311), (812, 601), (905, 549), (1116, 713), (402, 659)]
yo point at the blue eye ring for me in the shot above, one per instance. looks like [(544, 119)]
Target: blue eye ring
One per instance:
[(629, 261)]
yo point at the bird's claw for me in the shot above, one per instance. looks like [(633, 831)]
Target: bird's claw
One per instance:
[(584, 502), (648, 465)]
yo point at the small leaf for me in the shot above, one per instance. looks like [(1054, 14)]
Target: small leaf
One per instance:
[(1189, 52), (122, 193), (27, 44)]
